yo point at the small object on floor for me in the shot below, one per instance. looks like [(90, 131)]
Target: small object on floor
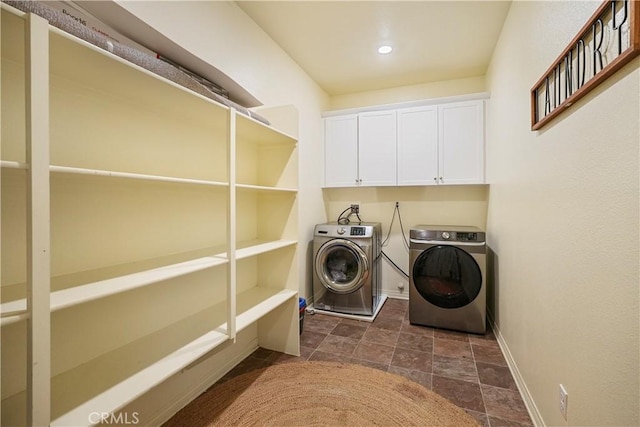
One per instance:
[(302, 304)]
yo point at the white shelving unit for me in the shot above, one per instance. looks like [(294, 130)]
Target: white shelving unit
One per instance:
[(169, 226)]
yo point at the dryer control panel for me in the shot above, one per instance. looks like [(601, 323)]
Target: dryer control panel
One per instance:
[(447, 233)]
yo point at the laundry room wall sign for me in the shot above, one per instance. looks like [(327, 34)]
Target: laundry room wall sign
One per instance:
[(606, 42)]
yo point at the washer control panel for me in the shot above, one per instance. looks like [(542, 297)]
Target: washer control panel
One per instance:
[(357, 230)]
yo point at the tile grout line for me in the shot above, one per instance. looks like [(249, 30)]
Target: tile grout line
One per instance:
[(484, 403)]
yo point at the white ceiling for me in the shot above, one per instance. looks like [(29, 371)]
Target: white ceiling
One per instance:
[(335, 42)]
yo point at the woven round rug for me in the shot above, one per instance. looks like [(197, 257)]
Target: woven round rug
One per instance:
[(320, 394)]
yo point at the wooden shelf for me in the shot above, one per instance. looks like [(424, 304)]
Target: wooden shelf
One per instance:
[(8, 164), (256, 247), (126, 175), (138, 375), (135, 177), (139, 383), (87, 65), (117, 378), (251, 130), (266, 189), (257, 302), (14, 311)]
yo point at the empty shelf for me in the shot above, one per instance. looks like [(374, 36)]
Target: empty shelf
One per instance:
[(256, 302), (252, 304), (111, 397), (13, 311), (114, 174), (8, 164), (251, 130), (265, 189), (257, 247)]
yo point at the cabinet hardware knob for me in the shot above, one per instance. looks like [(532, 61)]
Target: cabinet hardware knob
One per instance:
[(441, 179), (435, 178)]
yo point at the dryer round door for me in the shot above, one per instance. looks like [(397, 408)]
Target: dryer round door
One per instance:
[(342, 266), (447, 276)]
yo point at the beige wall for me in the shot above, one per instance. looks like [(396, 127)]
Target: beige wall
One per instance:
[(409, 93), (563, 225)]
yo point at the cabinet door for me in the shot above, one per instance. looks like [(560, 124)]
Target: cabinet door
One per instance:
[(418, 146), (461, 143), (377, 148), (341, 151)]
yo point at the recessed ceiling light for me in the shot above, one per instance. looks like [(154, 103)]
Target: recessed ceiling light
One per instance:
[(385, 49)]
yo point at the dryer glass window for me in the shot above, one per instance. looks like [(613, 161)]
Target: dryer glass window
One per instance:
[(447, 276)]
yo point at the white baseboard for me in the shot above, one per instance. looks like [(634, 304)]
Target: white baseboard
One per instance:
[(530, 404), (396, 294)]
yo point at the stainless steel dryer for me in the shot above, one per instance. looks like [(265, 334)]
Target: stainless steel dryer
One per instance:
[(346, 267), (447, 286)]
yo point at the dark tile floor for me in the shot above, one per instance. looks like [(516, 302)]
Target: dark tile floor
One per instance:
[(467, 369)]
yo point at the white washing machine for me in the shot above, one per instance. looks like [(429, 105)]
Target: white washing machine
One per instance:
[(346, 267), (447, 287)]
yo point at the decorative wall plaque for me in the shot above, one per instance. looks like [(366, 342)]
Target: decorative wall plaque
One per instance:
[(608, 41)]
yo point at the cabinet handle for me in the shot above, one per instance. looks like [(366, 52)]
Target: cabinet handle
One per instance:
[(441, 180), (435, 179)]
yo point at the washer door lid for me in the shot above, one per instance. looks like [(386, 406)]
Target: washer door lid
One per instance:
[(342, 266)]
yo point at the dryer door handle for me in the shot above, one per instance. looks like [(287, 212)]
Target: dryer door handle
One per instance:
[(446, 242)]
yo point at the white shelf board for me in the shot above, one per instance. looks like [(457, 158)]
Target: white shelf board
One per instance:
[(262, 188), (142, 375), (140, 382), (115, 174), (88, 65), (8, 164), (257, 302), (12, 10), (252, 305), (251, 130), (251, 248), (13, 311)]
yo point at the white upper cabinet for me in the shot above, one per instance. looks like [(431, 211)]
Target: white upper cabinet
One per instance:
[(418, 146), (341, 151), (360, 149), (461, 143), (430, 144), (377, 148)]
